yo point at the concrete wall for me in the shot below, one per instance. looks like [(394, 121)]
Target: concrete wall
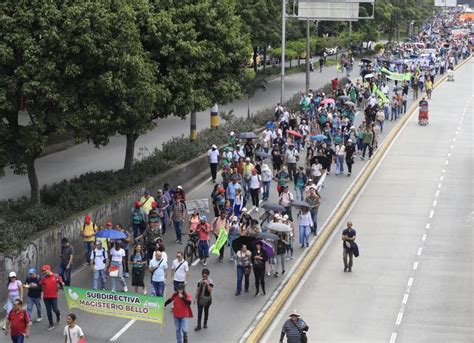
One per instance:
[(45, 247)]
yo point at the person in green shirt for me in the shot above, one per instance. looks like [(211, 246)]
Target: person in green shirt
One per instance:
[(367, 139)]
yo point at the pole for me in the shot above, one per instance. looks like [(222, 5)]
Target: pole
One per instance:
[(193, 134), (350, 34), (308, 51), (282, 75), (214, 117)]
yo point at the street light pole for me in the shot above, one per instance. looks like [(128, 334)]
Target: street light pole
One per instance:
[(308, 51), (283, 39)]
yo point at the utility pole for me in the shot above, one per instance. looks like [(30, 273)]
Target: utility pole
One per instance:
[(283, 39), (308, 52), (193, 126)]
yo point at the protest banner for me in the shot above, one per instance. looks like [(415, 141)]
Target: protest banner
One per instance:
[(221, 240), (124, 305), (199, 205), (396, 76)]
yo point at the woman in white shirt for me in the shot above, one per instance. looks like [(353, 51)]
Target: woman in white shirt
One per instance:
[(116, 256), (305, 224), (340, 154), (255, 186)]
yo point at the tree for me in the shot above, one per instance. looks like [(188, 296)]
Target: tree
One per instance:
[(251, 83), (34, 72)]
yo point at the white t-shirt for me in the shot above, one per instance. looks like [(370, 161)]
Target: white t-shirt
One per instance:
[(255, 181), (100, 256), (180, 273), (73, 334), (117, 255), (213, 156)]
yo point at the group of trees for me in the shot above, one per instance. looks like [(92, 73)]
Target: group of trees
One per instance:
[(101, 68)]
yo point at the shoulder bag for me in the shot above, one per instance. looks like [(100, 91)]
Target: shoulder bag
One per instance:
[(304, 338)]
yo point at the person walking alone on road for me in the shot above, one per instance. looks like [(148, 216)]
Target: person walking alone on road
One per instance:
[(72, 332), (50, 282), (18, 323), (203, 298), (67, 254), (213, 157), (99, 259), (295, 329), (348, 238), (34, 294), (258, 260), (181, 312)]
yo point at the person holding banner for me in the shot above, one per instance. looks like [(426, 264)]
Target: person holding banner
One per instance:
[(181, 312)]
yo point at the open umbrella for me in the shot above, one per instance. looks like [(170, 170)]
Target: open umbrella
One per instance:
[(279, 227), (273, 207), (299, 203), (317, 138), (267, 235), (344, 98), (294, 133), (244, 240), (366, 60), (110, 234), (368, 76), (327, 101), (263, 154), (247, 135), (349, 103), (268, 248), (396, 89)]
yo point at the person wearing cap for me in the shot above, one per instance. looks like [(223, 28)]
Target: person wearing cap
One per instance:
[(213, 158), (350, 151), (181, 312), (177, 217), (294, 328), (99, 257), (162, 205), (15, 291), (291, 158), (88, 231), (203, 229), (18, 322), (34, 294), (255, 185), (340, 155), (138, 219), (50, 282), (300, 182), (247, 174), (66, 257), (146, 201), (286, 199), (179, 194)]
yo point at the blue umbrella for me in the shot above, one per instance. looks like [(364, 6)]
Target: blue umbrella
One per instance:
[(110, 234), (318, 138)]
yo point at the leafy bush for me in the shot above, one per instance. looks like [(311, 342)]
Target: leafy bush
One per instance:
[(19, 221), (378, 47)]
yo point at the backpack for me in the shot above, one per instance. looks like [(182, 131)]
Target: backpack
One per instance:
[(136, 217), (153, 216), (104, 255)]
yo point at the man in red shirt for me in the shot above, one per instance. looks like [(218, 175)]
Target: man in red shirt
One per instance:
[(50, 282), (203, 230), (18, 323)]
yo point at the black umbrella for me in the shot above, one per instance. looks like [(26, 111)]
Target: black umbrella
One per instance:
[(247, 135), (267, 235), (366, 60), (344, 98), (263, 154), (396, 89), (273, 207), (243, 240), (299, 203)]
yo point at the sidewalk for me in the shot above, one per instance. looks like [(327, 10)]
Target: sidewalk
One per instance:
[(84, 158)]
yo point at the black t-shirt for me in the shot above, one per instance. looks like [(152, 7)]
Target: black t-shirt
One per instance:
[(350, 149), (33, 292), (349, 233), (66, 252)]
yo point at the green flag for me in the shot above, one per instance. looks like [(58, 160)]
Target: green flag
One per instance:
[(338, 68), (221, 240)]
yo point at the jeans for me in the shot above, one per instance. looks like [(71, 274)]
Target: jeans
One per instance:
[(159, 287), (386, 112), (181, 324), (51, 305), (9, 305), (88, 251), (304, 235), (65, 274), (18, 339), (288, 212), (31, 302), (203, 249), (360, 144), (366, 145), (281, 258), (266, 190), (120, 277), (97, 274), (299, 193), (339, 164), (136, 230), (380, 124), (213, 171), (240, 275), (178, 229), (314, 216), (206, 313)]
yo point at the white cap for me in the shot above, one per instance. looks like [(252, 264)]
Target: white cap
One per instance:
[(349, 140), (244, 209), (285, 217), (214, 146), (12, 274), (235, 218), (180, 187)]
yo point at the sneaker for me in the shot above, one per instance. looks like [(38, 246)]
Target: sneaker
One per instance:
[(39, 319), (176, 241), (287, 258), (205, 325), (269, 273), (292, 257), (126, 275), (58, 319), (145, 291), (51, 327), (237, 293), (197, 328), (204, 263), (256, 209), (276, 274), (125, 289)]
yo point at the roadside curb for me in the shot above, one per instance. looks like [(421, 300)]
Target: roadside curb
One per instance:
[(333, 221)]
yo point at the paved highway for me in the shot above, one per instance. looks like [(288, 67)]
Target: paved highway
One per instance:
[(414, 220), (84, 158), (233, 313)]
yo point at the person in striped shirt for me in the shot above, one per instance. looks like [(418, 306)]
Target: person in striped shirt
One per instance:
[(295, 329)]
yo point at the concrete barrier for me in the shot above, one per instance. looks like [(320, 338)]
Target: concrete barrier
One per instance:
[(45, 247), (257, 331)]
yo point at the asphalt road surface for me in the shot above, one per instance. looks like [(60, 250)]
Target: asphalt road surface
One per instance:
[(233, 313), (414, 221), (84, 157)]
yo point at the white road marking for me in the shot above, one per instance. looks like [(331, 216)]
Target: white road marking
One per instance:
[(449, 154), (446, 162), (420, 249), (399, 318), (393, 338), (423, 238), (410, 281), (454, 139), (441, 178), (405, 299), (428, 225), (431, 213), (435, 203), (122, 330), (415, 265), (437, 193), (439, 185)]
